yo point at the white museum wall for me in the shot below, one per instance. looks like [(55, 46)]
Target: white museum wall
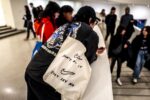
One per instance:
[(12, 11), (2, 18), (98, 6), (38, 2), (7, 13), (138, 11), (18, 12), (141, 12)]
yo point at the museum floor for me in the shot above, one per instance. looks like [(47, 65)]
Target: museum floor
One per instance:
[(15, 53)]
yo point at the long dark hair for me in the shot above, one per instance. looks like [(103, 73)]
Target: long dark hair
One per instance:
[(61, 19), (148, 31), (50, 10), (119, 30), (27, 10)]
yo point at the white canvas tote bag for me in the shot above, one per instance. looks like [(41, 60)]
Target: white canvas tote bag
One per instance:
[(70, 71)]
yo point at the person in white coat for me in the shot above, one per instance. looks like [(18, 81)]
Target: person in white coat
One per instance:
[(100, 85)]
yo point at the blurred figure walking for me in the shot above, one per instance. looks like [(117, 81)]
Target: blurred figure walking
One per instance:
[(28, 22), (34, 11), (111, 23), (102, 22), (117, 46)]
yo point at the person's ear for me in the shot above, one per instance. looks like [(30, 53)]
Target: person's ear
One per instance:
[(90, 19)]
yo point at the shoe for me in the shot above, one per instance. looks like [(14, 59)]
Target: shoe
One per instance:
[(26, 39), (135, 80), (34, 38), (119, 82)]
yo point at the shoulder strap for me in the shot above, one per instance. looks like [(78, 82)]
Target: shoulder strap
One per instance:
[(66, 32), (42, 32)]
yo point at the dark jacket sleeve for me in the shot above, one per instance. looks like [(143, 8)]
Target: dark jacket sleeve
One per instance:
[(90, 40), (121, 19), (91, 45)]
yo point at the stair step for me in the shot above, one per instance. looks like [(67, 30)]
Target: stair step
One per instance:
[(11, 33), (129, 79), (124, 97), (131, 86), (129, 73), (5, 28), (132, 92), (7, 31)]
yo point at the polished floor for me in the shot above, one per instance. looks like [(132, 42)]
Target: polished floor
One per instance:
[(15, 53)]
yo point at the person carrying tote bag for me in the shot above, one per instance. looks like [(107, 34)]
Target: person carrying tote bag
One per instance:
[(81, 30)]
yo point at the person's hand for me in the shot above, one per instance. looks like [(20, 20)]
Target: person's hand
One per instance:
[(100, 50), (125, 46)]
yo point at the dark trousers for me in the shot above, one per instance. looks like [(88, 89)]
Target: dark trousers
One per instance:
[(37, 89), (30, 28), (119, 64), (110, 31)]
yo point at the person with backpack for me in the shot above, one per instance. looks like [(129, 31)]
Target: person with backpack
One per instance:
[(140, 53), (81, 30), (65, 15), (117, 46), (28, 22)]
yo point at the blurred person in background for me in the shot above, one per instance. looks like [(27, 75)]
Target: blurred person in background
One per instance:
[(126, 18), (28, 22), (102, 23), (140, 53), (111, 23), (127, 21), (34, 11), (40, 11), (65, 16)]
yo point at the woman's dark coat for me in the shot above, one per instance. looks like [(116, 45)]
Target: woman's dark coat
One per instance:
[(136, 44)]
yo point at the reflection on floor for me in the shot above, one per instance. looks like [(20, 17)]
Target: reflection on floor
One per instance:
[(15, 53)]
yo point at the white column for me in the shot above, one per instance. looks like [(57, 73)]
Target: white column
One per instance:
[(7, 12)]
